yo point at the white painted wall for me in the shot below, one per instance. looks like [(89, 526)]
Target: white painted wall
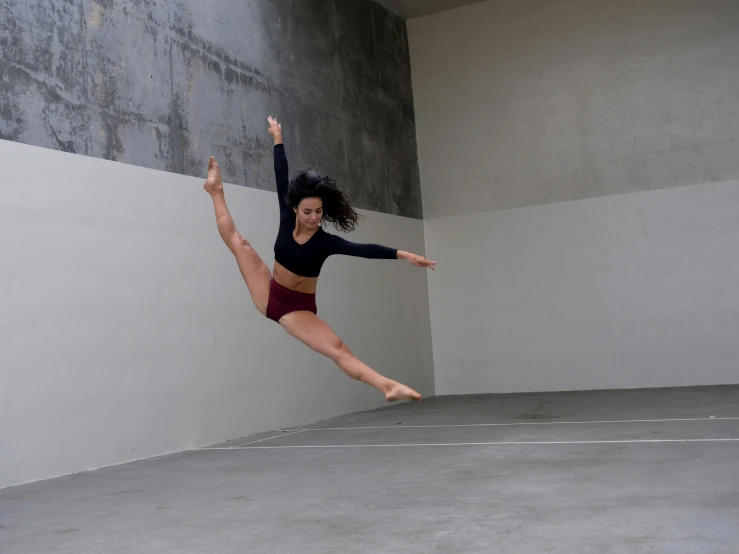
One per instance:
[(128, 332), (563, 151), (627, 291)]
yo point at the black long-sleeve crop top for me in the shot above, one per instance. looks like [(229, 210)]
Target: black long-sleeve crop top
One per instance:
[(307, 259)]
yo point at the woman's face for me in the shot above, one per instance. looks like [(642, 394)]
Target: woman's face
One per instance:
[(310, 212)]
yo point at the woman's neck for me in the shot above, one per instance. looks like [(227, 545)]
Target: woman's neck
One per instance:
[(302, 230)]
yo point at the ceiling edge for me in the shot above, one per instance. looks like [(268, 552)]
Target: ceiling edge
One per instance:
[(395, 6)]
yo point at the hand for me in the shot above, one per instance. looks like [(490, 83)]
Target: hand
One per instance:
[(275, 128), (419, 261)]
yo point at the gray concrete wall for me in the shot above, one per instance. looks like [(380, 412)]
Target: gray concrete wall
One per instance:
[(164, 85), (578, 161), (127, 329), (543, 101)]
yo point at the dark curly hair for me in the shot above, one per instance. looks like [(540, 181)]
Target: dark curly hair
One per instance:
[(336, 207)]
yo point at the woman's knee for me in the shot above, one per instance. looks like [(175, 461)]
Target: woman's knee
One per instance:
[(340, 352), (237, 241)]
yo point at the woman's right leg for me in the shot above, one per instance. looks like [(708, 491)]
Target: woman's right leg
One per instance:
[(315, 333), (253, 269)]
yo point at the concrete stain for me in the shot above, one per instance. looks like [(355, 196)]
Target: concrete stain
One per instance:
[(12, 124), (113, 145), (96, 16)]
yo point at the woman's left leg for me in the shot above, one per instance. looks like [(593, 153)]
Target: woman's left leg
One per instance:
[(315, 333)]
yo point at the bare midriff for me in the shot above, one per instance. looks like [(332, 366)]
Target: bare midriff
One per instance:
[(289, 280)]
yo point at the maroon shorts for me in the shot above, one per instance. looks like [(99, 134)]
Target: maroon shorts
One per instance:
[(283, 301)]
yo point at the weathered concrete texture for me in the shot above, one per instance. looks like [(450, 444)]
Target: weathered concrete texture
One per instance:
[(166, 84)]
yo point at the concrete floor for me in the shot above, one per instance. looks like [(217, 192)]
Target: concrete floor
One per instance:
[(446, 485)]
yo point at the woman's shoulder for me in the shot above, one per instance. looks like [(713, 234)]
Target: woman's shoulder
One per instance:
[(331, 240), (326, 235)]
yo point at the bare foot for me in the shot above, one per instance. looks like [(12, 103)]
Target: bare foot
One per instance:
[(213, 184), (401, 392)]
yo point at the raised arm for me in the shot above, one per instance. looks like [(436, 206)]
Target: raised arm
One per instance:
[(281, 169), (339, 245)]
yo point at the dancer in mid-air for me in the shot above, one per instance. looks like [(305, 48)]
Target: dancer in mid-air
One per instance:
[(289, 295)]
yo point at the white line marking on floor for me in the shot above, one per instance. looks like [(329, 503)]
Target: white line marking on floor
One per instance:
[(498, 443), (514, 424), (267, 439)]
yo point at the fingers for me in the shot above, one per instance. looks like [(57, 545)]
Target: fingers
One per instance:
[(275, 128), (420, 261)]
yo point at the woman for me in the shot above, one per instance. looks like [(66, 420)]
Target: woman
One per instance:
[(289, 296)]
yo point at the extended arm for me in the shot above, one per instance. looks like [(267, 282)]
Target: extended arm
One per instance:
[(339, 245), (281, 169)]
